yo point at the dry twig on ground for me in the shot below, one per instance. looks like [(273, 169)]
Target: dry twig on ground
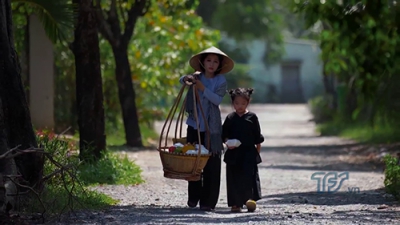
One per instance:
[(63, 170)]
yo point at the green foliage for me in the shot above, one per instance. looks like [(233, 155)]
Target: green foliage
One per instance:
[(110, 169), (387, 99), (294, 23), (249, 20), (65, 113), (62, 188), (57, 199), (57, 17), (321, 108), (360, 40), (159, 55), (392, 176), (58, 148), (159, 52), (66, 178), (256, 18), (237, 52), (19, 22), (289, 22), (65, 107), (378, 133), (117, 138), (239, 77)]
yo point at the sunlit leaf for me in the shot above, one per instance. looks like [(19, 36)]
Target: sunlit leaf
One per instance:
[(57, 16)]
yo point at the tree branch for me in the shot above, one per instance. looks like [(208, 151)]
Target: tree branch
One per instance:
[(140, 8), (14, 152), (113, 20), (104, 26), (121, 11), (44, 179), (70, 183), (30, 189)]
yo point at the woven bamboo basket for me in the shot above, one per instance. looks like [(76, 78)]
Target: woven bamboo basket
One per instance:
[(179, 165)]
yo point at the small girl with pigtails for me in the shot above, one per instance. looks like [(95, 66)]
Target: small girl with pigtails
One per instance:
[(241, 132), (211, 65)]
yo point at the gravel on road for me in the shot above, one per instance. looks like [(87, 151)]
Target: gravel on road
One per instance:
[(291, 153)]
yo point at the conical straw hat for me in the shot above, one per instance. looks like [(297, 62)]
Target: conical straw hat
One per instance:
[(227, 63)]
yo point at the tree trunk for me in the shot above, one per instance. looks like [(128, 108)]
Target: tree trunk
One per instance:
[(351, 101), (7, 167), (206, 10), (89, 90), (111, 30), (25, 60), (329, 86), (127, 97), (16, 115)]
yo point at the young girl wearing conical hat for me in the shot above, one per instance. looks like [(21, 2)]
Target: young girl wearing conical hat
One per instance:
[(210, 66)]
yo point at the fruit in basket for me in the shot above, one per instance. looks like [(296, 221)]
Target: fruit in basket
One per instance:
[(188, 147), (171, 149), (178, 150)]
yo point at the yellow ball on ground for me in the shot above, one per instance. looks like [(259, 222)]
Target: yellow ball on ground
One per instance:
[(251, 205)]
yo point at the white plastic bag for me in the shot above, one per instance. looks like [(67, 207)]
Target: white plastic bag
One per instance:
[(204, 151), (178, 145), (233, 143)]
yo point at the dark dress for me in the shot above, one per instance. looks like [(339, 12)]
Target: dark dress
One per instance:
[(206, 190), (243, 181)]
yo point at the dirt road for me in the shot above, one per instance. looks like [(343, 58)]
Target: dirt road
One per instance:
[(291, 153)]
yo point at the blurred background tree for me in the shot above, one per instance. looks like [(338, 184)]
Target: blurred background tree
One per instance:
[(163, 40)]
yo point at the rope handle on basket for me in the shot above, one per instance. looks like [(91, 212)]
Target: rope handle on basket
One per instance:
[(195, 98), (190, 82), (205, 122), (172, 112)]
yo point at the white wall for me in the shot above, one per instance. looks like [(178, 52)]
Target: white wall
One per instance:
[(310, 70), (41, 76)]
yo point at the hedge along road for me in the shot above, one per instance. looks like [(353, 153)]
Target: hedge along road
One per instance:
[(292, 153)]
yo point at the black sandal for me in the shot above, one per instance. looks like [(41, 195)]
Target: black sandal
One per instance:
[(236, 209), (191, 204)]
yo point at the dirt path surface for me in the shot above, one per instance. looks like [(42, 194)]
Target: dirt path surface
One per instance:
[(291, 153)]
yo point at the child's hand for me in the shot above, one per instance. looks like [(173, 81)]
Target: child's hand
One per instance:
[(258, 148), (189, 80), (229, 147)]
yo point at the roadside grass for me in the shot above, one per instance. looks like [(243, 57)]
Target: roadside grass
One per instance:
[(361, 132), (69, 189), (117, 137)]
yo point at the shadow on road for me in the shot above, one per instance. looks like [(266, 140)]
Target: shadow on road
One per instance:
[(302, 149), (346, 157), (150, 214), (368, 197), (367, 216), (339, 166), (120, 148), (313, 149)]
